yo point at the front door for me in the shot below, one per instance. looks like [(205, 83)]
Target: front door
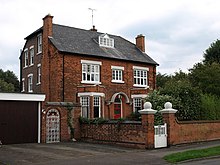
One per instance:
[(118, 107)]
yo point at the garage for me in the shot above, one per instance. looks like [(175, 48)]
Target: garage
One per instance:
[(20, 116)]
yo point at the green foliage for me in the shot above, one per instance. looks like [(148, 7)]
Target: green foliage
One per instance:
[(210, 107), (161, 80), (8, 82), (158, 100), (6, 87), (134, 116), (212, 54), (70, 120), (84, 120), (188, 96), (206, 78)]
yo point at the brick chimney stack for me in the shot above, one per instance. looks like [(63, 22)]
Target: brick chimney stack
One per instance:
[(47, 31), (140, 42), (48, 25)]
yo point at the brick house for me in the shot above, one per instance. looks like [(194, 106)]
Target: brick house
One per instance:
[(108, 75)]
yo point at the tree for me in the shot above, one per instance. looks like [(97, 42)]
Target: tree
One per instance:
[(6, 87), (161, 80), (189, 97), (212, 54), (8, 82), (206, 77)]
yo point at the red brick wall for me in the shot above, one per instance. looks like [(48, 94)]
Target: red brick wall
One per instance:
[(31, 69), (129, 134), (66, 76), (195, 131)]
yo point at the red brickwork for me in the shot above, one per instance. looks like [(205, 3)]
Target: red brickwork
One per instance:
[(130, 134), (190, 131)]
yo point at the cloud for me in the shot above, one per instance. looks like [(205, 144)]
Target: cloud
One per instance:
[(177, 32)]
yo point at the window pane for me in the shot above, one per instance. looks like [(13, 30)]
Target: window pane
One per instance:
[(88, 77), (92, 77)]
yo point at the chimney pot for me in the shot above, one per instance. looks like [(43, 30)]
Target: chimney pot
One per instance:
[(93, 28)]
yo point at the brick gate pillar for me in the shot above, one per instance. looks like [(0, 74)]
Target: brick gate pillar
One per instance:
[(169, 118), (147, 120)]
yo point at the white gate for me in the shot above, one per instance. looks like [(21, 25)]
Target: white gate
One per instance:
[(53, 126), (160, 136)]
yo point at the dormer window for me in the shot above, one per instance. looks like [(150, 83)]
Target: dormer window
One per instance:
[(106, 41)]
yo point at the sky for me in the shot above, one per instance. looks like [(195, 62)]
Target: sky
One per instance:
[(177, 32)]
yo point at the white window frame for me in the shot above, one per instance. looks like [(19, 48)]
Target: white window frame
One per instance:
[(117, 74), (106, 41), (91, 69), (23, 85), (138, 96), (140, 76), (39, 43), (85, 102), (137, 102), (38, 74), (30, 82), (26, 60), (97, 103), (31, 55)]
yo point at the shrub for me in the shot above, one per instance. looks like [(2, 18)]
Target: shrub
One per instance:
[(158, 100), (210, 107)]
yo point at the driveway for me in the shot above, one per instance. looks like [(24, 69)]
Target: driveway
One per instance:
[(80, 153)]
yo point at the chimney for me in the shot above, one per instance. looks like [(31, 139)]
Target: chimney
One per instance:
[(93, 28), (48, 25), (140, 43)]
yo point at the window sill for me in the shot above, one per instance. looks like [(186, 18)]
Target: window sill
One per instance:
[(120, 82), (39, 53), (141, 86), (25, 67), (90, 82), (31, 65)]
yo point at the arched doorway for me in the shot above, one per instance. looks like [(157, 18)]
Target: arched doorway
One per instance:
[(118, 107), (52, 126)]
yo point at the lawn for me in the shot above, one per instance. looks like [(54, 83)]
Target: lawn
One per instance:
[(192, 154)]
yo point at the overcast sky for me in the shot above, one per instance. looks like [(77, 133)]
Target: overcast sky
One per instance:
[(177, 32)]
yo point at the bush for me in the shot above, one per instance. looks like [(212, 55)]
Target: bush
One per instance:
[(84, 120), (189, 99), (158, 100), (210, 107)]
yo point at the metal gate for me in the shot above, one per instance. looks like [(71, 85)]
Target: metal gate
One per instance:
[(53, 126), (160, 136)]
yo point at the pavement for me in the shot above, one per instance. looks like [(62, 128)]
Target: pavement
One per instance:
[(81, 153)]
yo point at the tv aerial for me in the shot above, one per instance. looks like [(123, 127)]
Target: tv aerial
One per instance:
[(92, 14)]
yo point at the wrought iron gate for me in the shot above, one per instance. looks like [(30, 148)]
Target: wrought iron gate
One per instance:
[(53, 126)]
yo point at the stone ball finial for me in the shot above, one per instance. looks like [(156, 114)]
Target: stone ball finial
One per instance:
[(168, 105), (147, 105)]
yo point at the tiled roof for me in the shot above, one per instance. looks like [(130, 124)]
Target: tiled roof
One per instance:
[(79, 41)]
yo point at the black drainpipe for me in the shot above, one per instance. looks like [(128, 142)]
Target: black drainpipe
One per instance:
[(63, 79)]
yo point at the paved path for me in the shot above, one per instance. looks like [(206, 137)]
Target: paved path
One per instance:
[(84, 153)]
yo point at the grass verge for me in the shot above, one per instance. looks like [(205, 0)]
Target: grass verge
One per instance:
[(192, 154)]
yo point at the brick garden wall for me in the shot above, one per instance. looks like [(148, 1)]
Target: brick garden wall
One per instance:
[(195, 131), (129, 134)]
